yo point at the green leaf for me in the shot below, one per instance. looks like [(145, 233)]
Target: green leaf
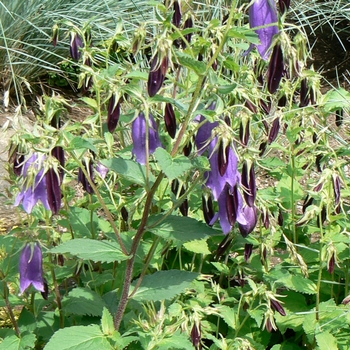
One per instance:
[(191, 63), (176, 341), (25, 341), (227, 314), (335, 99), (326, 341), (198, 246), (173, 168), (79, 219), (79, 143), (91, 249), (299, 284), (164, 285), (180, 228), (90, 102), (79, 338), (128, 169), (83, 301), (107, 322), (221, 267)]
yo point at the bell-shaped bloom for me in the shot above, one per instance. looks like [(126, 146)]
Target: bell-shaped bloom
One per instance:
[(263, 13), (102, 170), (251, 217), (230, 209), (31, 268), (275, 70), (139, 138), (35, 191), (76, 43), (177, 13)]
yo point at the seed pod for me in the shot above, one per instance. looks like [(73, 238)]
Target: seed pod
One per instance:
[(274, 130), (339, 117), (275, 70), (76, 43), (223, 156), (155, 77), (113, 113), (248, 249), (53, 191), (277, 306), (170, 120), (248, 181), (177, 14)]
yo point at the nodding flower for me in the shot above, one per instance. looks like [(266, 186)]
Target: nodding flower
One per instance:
[(263, 13), (139, 137), (31, 268), (76, 43)]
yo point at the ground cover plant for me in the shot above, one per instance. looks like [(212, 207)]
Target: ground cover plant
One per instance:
[(202, 203)]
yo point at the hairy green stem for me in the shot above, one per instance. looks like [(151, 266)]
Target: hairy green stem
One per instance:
[(319, 278)]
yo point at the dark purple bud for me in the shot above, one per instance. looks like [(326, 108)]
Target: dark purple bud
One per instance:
[(318, 162), (275, 70), (187, 149), (18, 163), (274, 130), (215, 65), (265, 106), (312, 96), (76, 43), (269, 326), (55, 31), (266, 219), (282, 101), (58, 153), (263, 14), (53, 191), (170, 120), (244, 132), (307, 202), (227, 120), (82, 178), (284, 5), (314, 137), (155, 77), (125, 214), (248, 249), (45, 293), (188, 24), (251, 217), (177, 14), (113, 113), (280, 218), (264, 255), (223, 246), (223, 157), (60, 259), (304, 94), (277, 306), (175, 186), (208, 209), (262, 148), (338, 209), (318, 187), (31, 268), (331, 264), (339, 117), (196, 335), (336, 188), (184, 208), (248, 181), (251, 106), (321, 221)]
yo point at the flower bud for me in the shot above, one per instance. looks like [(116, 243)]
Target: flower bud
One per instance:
[(76, 43), (155, 77), (187, 149), (275, 70), (170, 120), (248, 181), (266, 219), (82, 178), (188, 24), (196, 335), (113, 113), (58, 153), (282, 101), (262, 148), (208, 209), (177, 14), (53, 190), (55, 30), (248, 249), (304, 94), (336, 188), (331, 264), (223, 246), (307, 202), (45, 293), (284, 5), (280, 219), (274, 130), (125, 214), (277, 306), (244, 132)]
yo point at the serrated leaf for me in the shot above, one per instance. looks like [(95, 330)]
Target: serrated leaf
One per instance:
[(257, 315), (176, 341), (164, 285), (26, 341), (335, 99), (107, 322), (227, 314), (191, 63), (79, 219), (91, 249), (326, 341), (197, 246), (299, 284), (180, 228), (222, 268), (128, 169), (83, 301), (79, 338), (79, 143), (173, 168), (90, 102)]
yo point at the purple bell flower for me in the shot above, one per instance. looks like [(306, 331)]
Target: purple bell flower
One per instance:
[(251, 217), (264, 13), (32, 193), (31, 268), (138, 134)]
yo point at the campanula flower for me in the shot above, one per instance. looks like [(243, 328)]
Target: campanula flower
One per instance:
[(31, 268), (138, 134), (263, 13), (35, 187), (251, 217)]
